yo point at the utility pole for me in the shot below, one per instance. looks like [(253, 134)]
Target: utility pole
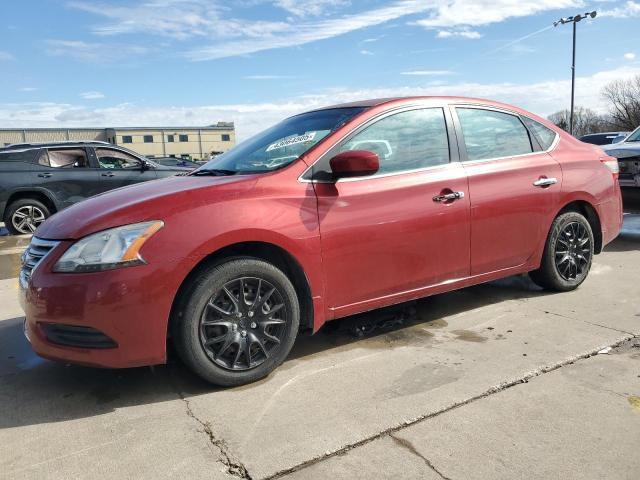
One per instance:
[(574, 20)]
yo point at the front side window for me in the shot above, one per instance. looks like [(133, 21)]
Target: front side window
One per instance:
[(634, 137), (283, 143), (489, 134), (127, 139), (544, 135), (68, 158), (115, 159), (405, 141)]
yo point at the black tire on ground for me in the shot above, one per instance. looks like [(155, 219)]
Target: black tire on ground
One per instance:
[(24, 215), (276, 314), (562, 271)]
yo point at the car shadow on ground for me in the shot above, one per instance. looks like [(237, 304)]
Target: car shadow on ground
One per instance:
[(36, 391)]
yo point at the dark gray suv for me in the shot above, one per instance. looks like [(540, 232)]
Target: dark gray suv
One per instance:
[(37, 180)]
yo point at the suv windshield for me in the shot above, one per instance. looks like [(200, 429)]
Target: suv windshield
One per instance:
[(281, 144)]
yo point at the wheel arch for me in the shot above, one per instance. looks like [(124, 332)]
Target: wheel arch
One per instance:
[(35, 194), (587, 209), (268, 252)]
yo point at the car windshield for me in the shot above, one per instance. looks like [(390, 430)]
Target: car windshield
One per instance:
[(635, 136), (281, 144)]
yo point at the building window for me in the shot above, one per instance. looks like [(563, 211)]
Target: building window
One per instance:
[(184, 138), (170, 138), (148, 139), (226, 137), (127, 139), (185, 155)]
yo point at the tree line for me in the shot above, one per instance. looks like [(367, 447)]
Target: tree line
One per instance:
[(623, 98)]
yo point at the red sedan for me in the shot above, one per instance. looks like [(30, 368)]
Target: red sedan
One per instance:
[(329, 213)]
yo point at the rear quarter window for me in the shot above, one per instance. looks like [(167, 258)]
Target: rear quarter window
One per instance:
[(544, 135), (19, 156)]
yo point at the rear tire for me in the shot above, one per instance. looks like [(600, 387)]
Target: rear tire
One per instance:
[(25, 215), (236, 321), (568, 254)]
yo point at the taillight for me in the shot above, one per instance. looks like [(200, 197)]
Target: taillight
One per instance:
[(612, 164)]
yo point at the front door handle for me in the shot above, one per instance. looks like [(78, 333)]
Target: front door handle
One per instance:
[(446, 197), (545, 182), (44, 175), (108, 174)]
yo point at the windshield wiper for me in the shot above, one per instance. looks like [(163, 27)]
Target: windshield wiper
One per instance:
[(216, 172)]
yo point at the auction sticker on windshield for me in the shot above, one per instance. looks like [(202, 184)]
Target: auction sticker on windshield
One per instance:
[(307, 137)]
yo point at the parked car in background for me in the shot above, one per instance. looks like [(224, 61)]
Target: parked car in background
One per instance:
[(40, 179), (305, 223), (177, 162), (628, 154), (606, 138)]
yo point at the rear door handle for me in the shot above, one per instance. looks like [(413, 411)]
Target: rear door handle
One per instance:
[(108, 174), (448, 197), (44, 175), (545, 182)]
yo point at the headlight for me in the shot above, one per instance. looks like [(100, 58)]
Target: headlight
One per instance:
[(109, 249)]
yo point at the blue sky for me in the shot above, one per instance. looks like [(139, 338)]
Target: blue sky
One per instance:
[(195, 62)]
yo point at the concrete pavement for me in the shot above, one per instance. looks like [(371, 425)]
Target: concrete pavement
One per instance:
[(501, 380)]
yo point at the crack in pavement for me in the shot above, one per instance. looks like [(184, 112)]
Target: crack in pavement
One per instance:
[(234, 466), (409, 446), (585, 321), (491, 391)]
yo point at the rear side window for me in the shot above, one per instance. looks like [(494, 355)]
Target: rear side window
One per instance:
[(544, 135), (405, 141), (489, 134), (68, 158)]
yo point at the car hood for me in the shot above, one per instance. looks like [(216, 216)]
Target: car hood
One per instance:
[(623, 150), (155, 200)]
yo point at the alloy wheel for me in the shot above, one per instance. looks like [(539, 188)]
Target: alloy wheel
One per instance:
[(243, 323), (573, 251), (27, 219)]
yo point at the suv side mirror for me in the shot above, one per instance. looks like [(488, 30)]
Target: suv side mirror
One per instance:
[(354, 163), (144, 165)]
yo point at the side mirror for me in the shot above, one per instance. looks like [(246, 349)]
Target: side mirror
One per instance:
[(354, 163), (144, 166)]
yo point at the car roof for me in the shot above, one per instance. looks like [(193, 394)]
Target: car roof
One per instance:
[(400, 100), (21, 146), (603, 133)]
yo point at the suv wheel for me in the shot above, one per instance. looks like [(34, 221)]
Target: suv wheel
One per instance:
[(25, 215), (235, 322), (568, 254)]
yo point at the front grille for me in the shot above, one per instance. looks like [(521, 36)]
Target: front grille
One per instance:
[(76, 336), (33, 255)]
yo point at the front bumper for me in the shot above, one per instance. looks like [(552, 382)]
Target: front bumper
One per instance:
[(129, 306)]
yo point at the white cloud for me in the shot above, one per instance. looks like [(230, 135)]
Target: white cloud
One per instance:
[(366, 52), (629, 9), (454, 13), (266, 77), (5, 56), (461, 33), (542, 98), (307, 32), (93, 95), (93, 52), (629, 56), (27, 89), (304, 8), (428, 73)]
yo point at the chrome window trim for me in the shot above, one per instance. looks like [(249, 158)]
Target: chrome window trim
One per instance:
[(392, 111)]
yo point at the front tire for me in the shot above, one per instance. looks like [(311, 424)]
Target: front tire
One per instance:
[(25, 215), (568, 254), (236, 321)]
